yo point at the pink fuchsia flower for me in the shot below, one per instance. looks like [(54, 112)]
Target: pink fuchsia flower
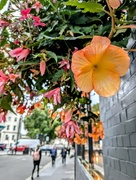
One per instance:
[(3, 76), (37, 21), (3, 23), (13, 77), (19, 53), (37, 6), (25, 14), (3, 80), (3, 116), (42, 67), (72, 128), (2, 83), (55, 94), (65, 64)]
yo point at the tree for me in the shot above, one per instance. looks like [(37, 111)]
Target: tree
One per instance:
[(39, 123)]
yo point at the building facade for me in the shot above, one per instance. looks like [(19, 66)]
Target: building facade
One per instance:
[(119, 116), (12, 131)]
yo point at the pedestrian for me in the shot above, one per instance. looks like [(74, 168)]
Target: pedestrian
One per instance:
[(53, 153), (63, 154), (68, 149), (36, 160)]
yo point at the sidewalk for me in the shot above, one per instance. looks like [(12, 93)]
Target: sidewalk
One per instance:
[(58, 172)]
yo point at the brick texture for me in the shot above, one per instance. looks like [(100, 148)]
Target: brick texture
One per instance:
[(119, 116)]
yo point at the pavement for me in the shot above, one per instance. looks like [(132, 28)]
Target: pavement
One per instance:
[(58, 172)]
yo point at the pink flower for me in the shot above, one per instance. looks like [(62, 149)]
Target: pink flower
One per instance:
[(3, 116), (75, 50), (25, 14), (42, 67), (38, 23), (3, 23), (19, 53), (72, 128), (2, 83), (16, 42), (3, 76), (68, 115), (13, 77), (55, 93), (54, 1), (65, 64), (37, 6)]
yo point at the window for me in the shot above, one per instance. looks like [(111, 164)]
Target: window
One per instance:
[(6, 137), (9, 118), (14, 128), (13, 137), (8, 127), (15, 119)]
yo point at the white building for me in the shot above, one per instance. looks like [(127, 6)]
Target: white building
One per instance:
[(13, 128)]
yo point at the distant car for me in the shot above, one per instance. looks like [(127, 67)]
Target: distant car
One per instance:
[(46, 147), (20, 148), (2, 147)]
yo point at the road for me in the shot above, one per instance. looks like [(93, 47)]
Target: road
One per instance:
[(18, 167)]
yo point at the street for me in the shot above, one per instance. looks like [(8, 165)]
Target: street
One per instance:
[(18, 167)]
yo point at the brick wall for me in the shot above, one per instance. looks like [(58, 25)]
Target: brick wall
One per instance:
[(119, 116)]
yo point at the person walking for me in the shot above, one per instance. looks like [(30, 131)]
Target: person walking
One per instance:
[(36, 160), (68, 150), (63, 155), (53, 153)]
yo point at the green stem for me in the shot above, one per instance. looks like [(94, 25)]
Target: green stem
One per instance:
[(111, 13)]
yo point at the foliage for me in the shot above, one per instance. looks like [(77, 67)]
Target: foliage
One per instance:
[(39, 122)]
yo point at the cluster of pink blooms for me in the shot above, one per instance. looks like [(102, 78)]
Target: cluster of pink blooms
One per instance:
[(55, 94), (4, 79), (69, 127)]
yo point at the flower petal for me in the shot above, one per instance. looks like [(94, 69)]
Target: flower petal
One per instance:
[(42, 67), (114, 3), (119, 61), (106, 83), (99, 44), (84, 81)]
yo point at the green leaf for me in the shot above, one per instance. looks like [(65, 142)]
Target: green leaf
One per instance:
[(52, 55), (87, 6), (3, 3), (5, 103), (62, 29), (57, 75)]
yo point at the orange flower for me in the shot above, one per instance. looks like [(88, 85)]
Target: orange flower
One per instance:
[(99, 66), (97, 131), (21, 109), (80, 140), (38, 105)]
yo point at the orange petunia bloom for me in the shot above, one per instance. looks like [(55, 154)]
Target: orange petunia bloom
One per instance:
[(99, 66)]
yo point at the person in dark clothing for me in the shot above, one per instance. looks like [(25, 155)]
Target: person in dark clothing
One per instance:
[(68, 150), (63, 154), (36, 160), (53, 153)]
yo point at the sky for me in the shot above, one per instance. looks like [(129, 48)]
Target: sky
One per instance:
[(94, 98)]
